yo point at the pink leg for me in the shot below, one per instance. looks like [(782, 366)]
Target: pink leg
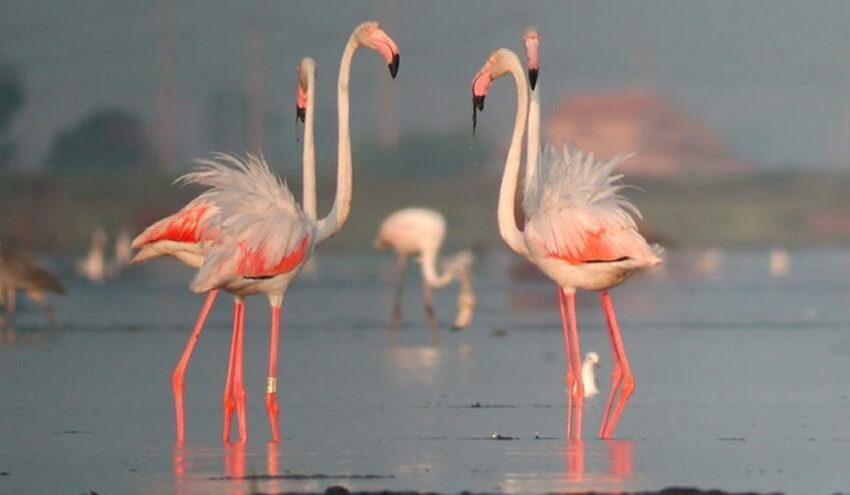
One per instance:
[(271, 385), (227, 399), (177, 377), (621, 377), (575, 362), (238, 383), (569, 376)]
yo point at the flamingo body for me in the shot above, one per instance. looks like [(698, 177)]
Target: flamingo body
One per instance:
[(420, 232), (412, 231), (263, 237), (579, 231)]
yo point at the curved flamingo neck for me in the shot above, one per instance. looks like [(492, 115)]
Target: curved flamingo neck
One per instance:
[(507, 192), (309, 152), (330, 225), (532, 148), (429, 271)]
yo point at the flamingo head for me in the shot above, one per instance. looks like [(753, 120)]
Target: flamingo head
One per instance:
[(592, 358), (370, 35), (495, 67), (306, 70), (531, 39)]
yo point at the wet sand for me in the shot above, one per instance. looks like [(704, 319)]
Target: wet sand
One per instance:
[(742, 386)]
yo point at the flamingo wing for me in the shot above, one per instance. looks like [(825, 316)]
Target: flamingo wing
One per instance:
[(190, 224), (577, 214), (262, 230)]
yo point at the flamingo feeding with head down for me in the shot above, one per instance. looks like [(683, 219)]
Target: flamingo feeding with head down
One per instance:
[(420, 232), (579, 231), (247, 235)]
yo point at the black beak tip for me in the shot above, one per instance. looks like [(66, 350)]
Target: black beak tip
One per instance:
[(478, 102), (393, 66), (532, 77), (301, 113)]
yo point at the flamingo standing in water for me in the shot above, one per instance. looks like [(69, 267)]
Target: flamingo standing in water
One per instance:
[(247, 235), (420, 232), (579, 231)]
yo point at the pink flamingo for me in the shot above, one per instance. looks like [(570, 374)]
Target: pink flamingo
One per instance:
[(420, 232), (247, 235), (579, 231)]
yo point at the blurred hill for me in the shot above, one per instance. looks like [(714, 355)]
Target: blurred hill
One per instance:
[(667, 141)]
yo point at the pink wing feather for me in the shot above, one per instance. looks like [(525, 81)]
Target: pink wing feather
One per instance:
[(190, 224)]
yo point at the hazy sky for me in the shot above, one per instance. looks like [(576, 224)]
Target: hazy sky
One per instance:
[(771, 77)]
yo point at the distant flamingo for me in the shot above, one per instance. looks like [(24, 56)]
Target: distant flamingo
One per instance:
[(579, 231), (780, 262), (93, 266), (420, 232), (122, 255), (247, 235)]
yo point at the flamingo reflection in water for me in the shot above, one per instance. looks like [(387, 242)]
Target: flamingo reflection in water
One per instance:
[(619, 458)]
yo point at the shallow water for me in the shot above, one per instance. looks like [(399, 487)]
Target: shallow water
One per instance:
[(742, 385)]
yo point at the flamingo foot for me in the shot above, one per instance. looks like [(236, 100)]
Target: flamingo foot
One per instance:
[(229, 408), (627, 388), (273, 409), (616, 377), (177, 393)]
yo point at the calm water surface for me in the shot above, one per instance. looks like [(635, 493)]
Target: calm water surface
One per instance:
[(742, 384)]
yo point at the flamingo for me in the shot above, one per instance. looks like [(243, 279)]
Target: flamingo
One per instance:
[(579, 232), (246, 234), (780, 262), (93, 266), (179, 235), (18, 272), (123, 254), (420, 232)]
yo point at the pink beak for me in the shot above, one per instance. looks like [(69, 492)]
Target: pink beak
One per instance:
[(531, 50), (301, 104), (480, 85), (388, 49)]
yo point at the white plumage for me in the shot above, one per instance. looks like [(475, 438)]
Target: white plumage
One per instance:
[(258, 222), (568, 178), (575, 210)]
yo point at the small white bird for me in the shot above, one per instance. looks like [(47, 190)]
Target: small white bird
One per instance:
[(588, 374)]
